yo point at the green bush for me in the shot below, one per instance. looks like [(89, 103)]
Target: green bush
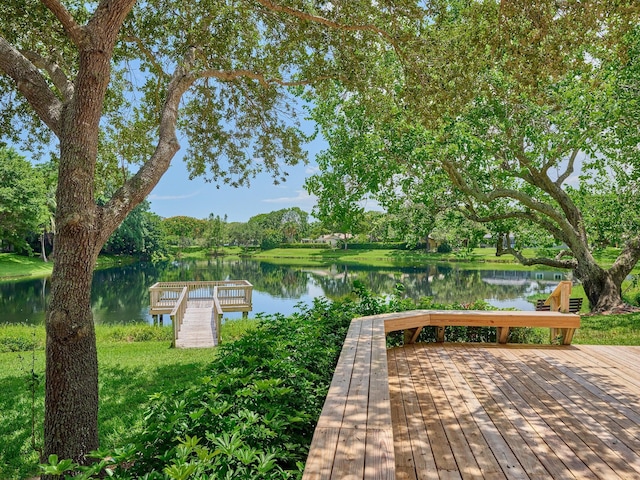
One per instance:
[(378, 246), (306, 245), (17, 344), (444, 248), (21, 338), (254, 415), (141, 332)]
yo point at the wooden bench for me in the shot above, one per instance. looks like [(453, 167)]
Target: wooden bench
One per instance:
[(354, 435), (575, 304), (503, 320)]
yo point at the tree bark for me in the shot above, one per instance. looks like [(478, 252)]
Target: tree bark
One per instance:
[(602, 289), (71, 392)]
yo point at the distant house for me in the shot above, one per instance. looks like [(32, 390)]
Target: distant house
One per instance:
[(432, 244), (333, 238), (490, 241)]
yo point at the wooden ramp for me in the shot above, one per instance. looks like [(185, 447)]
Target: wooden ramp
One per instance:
[(198, 329)]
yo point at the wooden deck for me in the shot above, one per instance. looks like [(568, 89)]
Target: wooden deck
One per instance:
[(468, 411), (472, 412)]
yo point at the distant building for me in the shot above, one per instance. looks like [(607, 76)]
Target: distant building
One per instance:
[(333, 238)]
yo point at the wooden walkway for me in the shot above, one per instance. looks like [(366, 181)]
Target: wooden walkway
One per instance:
[(199, 328), (473, 412)]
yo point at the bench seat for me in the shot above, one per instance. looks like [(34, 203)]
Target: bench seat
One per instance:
[(503, 320)]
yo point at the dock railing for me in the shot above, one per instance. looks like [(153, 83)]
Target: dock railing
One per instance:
[(177, 314), (217, 313), (232, 295)]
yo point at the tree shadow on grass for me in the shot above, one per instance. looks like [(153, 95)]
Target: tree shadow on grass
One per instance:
[(124, 392)]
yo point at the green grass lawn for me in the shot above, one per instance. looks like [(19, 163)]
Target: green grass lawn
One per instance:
[(478, 259), (13, 267), (16, 266), (609, 330), (130, 371)]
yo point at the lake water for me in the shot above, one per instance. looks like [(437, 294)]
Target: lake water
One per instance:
[(121, 294)]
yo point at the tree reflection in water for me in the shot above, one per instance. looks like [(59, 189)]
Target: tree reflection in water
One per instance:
[(121, 294)]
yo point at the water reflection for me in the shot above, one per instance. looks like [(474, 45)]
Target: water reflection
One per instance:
[(120, 294)]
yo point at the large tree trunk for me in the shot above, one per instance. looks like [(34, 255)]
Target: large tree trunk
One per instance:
[(603, 290), (71, 392), (71, 395)]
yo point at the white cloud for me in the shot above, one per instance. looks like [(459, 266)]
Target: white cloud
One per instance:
[(173, 197), (302, 198)]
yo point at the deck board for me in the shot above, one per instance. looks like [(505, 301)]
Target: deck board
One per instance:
[(515, 412)]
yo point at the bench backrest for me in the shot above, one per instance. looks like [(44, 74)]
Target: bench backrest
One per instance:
[(575, 304)]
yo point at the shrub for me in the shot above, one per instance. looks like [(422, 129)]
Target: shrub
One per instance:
[(141, 332), (21, 338), (254, 415), (17, 344), (444, 248)]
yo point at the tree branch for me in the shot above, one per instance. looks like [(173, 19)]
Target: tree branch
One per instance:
[(58, 77), (140, 185), (32, 85), (229, 75), (569, 170), (523, 198), (325, 21), (75, 32), (550, 262), (147, 53)]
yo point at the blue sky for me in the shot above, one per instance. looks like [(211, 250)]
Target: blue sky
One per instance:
[(175, 194)]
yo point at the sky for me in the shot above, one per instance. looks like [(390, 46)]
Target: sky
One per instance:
[(176, 195)]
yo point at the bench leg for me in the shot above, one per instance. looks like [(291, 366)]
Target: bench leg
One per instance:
[(567, 335), (502, 334), (439, 334), (411, 335)]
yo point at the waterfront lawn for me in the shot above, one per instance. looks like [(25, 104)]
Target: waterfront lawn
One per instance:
[(14, 266), (609, 330), (385, 257)]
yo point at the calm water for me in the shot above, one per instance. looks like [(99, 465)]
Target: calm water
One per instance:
[(121, 294)]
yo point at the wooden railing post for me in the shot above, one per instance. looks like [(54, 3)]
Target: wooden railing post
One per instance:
[(558, 301), (177, 314)]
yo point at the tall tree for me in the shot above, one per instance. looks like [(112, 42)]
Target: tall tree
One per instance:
[(529, 110), (517, 149), (129, 78), (216, 231), (140, 234)]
